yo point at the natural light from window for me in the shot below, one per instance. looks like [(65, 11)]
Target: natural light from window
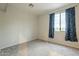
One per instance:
[(59, 22)]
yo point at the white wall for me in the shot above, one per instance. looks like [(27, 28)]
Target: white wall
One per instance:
[(16, 26), (59, 36)]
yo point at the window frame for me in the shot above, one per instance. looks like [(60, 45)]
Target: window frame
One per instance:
[(59, 21)]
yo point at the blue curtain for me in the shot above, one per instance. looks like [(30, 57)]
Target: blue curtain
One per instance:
[(70, 25), (51, 25)]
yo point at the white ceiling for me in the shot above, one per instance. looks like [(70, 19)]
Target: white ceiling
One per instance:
[(38, 8)]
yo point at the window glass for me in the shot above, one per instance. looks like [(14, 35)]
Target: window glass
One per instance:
[(57, 21), (63, 24), (60, 22)]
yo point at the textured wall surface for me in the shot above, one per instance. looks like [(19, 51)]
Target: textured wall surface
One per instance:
[(16, 26)]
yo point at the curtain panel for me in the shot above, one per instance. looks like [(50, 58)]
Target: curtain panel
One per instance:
[(51, 25), (70, 25)]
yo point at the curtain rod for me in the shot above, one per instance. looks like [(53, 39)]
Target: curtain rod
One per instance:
[(63, 8)]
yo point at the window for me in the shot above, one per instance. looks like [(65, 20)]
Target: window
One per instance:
[(59, 22)]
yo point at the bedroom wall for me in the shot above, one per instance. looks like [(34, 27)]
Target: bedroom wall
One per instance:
[(16, 26), (59, 36)]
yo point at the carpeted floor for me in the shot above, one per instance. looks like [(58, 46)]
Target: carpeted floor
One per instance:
[(39, 48)]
